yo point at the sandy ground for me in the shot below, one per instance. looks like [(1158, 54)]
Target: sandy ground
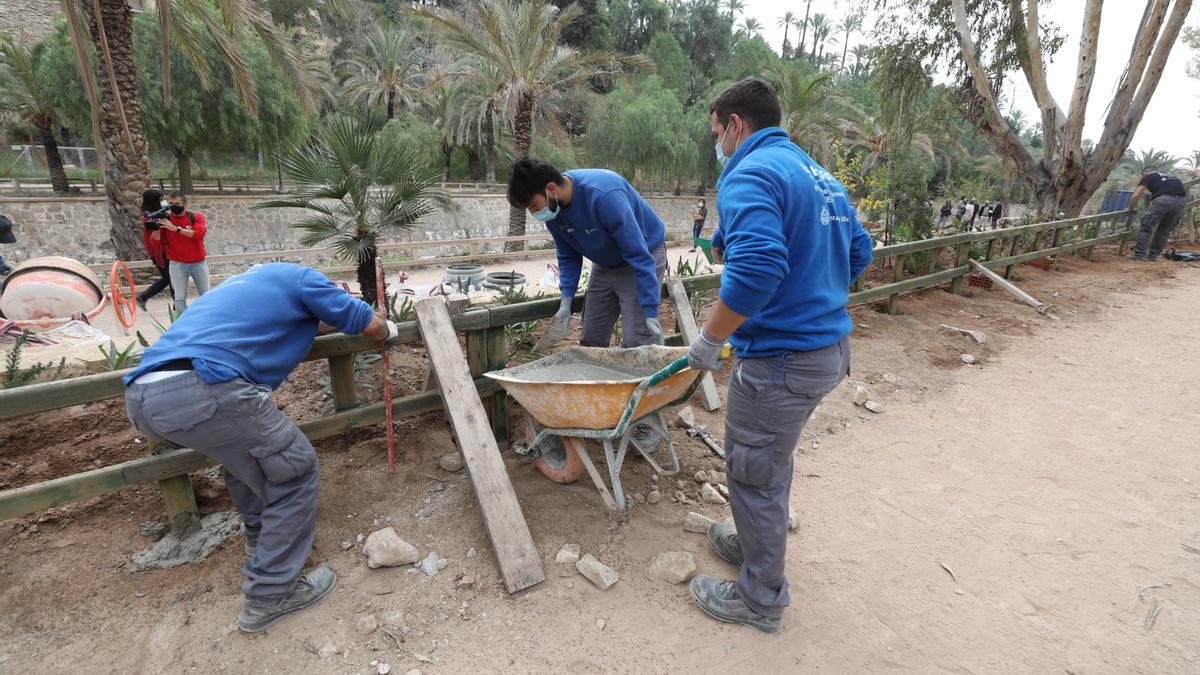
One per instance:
[(996, 517)]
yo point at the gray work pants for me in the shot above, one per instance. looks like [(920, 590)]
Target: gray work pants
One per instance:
[(1157, 223), (271, 469), (181, 273), (768, 403), (612, 292)]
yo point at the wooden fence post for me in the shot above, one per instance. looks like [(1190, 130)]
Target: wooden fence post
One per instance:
[(897, 275), (964, 252), (341, 380), (1059, 233), (178, 498), (486, 351), (1012, 250)]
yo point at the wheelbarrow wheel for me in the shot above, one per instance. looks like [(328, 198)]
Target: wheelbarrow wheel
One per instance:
[(558, 461)]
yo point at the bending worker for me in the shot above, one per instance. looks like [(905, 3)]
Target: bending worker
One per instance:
[(1167, 199), (205, 385), (595, 213), (792, 244)]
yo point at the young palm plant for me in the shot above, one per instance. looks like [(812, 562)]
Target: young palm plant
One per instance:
[(27, 95), (358, 183)]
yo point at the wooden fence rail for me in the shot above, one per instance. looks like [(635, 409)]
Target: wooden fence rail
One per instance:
[(484, 328)]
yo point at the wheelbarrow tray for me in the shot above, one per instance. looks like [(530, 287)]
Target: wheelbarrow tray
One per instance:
[(590, 387)]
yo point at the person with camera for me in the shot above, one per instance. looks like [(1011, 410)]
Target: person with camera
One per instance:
[(184, 233), (153, 212)]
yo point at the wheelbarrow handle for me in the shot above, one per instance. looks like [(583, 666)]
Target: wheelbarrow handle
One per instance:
[(675, 366)]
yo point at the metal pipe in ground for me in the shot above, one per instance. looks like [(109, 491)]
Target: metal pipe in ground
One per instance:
[(381, 300)]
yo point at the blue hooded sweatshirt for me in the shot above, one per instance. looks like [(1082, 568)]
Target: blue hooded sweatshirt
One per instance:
[(609, 223), (792, 246), (257, 325)]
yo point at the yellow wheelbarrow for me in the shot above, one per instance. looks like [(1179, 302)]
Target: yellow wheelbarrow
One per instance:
[(613, 396)]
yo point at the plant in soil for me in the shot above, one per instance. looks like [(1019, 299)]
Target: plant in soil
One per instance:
[(14, 376)]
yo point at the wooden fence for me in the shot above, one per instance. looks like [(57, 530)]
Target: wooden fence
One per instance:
[(913, 266)]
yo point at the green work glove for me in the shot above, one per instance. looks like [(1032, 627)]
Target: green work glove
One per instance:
[(656, 332)]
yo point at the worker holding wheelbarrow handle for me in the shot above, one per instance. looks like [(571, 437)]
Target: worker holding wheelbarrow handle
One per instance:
[(792, 244), (205, 385)]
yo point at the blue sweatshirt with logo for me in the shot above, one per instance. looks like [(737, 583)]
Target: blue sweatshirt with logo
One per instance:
[(792, 247), (257, 325), (609, 223)]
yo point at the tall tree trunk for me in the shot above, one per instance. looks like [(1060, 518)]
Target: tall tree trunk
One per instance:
[(522, 139), (58, 175), (490, 145), (447, 151), (473, 163), (845, 48), (365, 273), (127, 168), (804, 28), (279, 173), (391, 104), (785, 48), (185, 172)]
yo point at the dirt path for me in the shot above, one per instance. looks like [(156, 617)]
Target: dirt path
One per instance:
[(1055, 480)]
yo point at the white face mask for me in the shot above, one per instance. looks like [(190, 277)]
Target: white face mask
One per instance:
[(721, 156)]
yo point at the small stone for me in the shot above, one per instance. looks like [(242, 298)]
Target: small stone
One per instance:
[(393, 620), (890, 378), (451, 462), (639, 498), (697, 522), (383, 668), (717, 476), (710, 495), (385, 548), (793, 519), (359, 539), (140, 594), (679, 485), (654, 477), (685, 418), (442, 563), (679, 496), (153, 529), (328, 649), (346, 546), (968, 359), (653, 497), (861, 395), (472, 553), (464, 581), (723, 490), (430, 564), (874, 406), (366, 624), (601, 623), (700, 477), (673, 567), (565, 560), (597, 572)]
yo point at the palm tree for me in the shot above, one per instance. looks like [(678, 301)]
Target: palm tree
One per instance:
[(735, 7), (850, 25), (358, 183), (517, 43), (1140, 161), (442, 108), (814, 116), (821, 28), (785, 22), (387, 68), (27, 95), (1193, 162), (803, 26), (751, 27), (862, 60), (102, 35)]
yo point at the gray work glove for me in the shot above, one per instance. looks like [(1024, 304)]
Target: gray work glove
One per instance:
[(563, 316), (705, 353), (656, 332), (393, 333)]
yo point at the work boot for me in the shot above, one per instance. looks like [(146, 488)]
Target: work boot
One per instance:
[(259, 614), (723, 539), (720, 600), (142, 303), (1136, 258)]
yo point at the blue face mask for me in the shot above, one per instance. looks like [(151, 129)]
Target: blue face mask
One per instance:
[(546, 214), (721, 156)]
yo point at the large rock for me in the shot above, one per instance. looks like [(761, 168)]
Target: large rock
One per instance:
[(861, 394), (697, 522), (451, 462), (685, 418), (673, 567), (385, 548), (597, 572)]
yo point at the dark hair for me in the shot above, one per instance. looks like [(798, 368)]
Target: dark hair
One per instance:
[(1149, 169), (151, 200), (179, 194), (702, 200), (752, 99), (528, 179)]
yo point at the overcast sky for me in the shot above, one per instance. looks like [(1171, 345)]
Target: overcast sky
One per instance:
[(1171, 122)]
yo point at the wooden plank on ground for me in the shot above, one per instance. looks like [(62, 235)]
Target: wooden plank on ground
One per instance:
[(710, 400), (520, 566)]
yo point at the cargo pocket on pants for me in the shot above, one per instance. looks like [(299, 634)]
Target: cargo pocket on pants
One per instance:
[(289, 460), (750, 457), (173, 419)]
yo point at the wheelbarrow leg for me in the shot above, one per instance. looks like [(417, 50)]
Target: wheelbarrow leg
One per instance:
[(655, 422), (581, 450), (614, 467)]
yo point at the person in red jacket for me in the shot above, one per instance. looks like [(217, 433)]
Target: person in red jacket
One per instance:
[(156, 248), (184, 233)]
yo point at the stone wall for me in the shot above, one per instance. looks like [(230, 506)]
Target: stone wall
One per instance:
[(78, 227), (35, 16)]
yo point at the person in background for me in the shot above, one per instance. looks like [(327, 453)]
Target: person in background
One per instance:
[(944, 216), (969, 216), (699, 215), (960, 210), (792, 245), (1167, 199), (184, 233), (997, 211), (6, 237), (156, 246), (205, 384)]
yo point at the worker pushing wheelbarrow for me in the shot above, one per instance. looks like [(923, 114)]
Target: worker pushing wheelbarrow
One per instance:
[(612, 396)]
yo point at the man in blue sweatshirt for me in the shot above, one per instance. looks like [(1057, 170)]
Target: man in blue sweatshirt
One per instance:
[(596, 214), (205, 385), (792, 245)]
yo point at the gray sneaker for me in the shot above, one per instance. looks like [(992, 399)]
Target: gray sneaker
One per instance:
[(720, 600), (1137, 258), (258, 614), (723, 539)]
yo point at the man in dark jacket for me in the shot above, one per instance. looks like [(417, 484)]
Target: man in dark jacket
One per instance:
[(1167, 198)]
